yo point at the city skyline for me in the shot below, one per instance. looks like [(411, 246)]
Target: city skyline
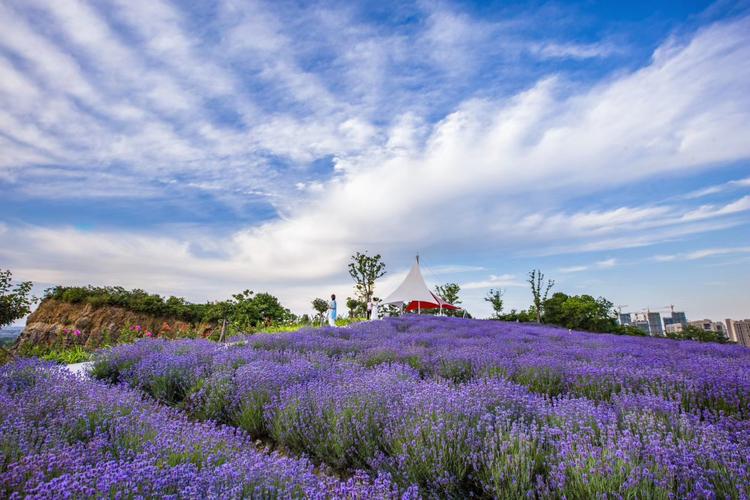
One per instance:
[(200, 150)]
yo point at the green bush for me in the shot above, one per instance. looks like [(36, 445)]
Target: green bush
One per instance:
[(69, 356), (244, 311)]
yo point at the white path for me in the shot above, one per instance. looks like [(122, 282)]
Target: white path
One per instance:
[(80, 368)]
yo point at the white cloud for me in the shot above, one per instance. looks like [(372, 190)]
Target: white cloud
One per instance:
[(607, 263), (602, 264), (741, 183), (450, 269), (573, 269), (494, 281), (701, 254), (573, 50)]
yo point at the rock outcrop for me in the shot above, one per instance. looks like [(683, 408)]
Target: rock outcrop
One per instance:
[(54, 323)]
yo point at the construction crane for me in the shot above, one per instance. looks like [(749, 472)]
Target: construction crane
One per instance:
[(619, 307)]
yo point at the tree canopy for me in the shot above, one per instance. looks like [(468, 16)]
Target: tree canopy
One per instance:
[(691, 332), (15, 302), (320, 306), (495, 298), (365, 269), (449, 293), (580, 312)]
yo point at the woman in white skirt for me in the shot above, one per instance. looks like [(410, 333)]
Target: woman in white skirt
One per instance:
[(332, 310)]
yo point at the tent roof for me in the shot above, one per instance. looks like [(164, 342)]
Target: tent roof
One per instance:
[(414, 288)]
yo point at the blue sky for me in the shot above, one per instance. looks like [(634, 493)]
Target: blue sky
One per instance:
[(204, 150)]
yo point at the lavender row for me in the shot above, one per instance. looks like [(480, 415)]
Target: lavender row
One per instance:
[(335, 397), (63, 437), (708, 378), (704, 378)]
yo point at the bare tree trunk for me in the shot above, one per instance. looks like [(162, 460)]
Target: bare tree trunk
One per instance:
[(223, 329)]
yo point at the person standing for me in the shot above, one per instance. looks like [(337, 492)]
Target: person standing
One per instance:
[(370, 304), (332, 310)]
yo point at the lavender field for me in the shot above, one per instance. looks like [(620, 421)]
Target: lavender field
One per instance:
[(412, 407)]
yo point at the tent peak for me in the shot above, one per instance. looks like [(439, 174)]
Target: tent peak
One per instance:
[(413, 290)]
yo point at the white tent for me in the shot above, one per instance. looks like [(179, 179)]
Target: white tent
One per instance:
[(414, 294)]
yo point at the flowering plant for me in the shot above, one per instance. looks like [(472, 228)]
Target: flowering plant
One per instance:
[(467, 408)]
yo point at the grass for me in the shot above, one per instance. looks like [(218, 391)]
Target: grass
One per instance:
[(79, 354)]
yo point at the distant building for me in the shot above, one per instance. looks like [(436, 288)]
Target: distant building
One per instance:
[(673, 327), (677, 318), (625, 319), (709, 326), (730, 330), (739, 331), (643, 325), (649, 323), (655, 324)]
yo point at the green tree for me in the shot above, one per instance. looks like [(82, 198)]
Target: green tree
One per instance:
[(629, 330), (522, 316), (15, 302), (247, 311), (449, 293), (536, 280), (580, 312), (321, 307), (365, 269), (691, 332), (495, 298), (356, 307), (267, 310)]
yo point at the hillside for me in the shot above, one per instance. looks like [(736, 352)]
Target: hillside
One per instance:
[(55, 322)]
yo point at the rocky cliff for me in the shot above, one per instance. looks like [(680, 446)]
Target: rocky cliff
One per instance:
[(55, 323)]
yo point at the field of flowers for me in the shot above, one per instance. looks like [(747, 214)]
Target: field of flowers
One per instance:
[(431, 407)]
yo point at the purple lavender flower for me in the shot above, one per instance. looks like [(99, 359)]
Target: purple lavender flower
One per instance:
[(66, 437), (461, 408)]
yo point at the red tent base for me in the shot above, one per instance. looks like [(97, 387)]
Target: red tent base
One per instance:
[(417, 305)]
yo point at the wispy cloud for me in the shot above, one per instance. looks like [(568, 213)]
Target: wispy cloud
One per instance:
[(621, 227), (701, 254), (602, 264), (573, 269), (451, 269), (574, 50), (495, 281), (718, 188)]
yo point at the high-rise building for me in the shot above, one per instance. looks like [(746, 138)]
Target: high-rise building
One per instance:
[(730, 330), (648, 322), (643, 325), (739, 331), (679, 317), (655, 324)]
